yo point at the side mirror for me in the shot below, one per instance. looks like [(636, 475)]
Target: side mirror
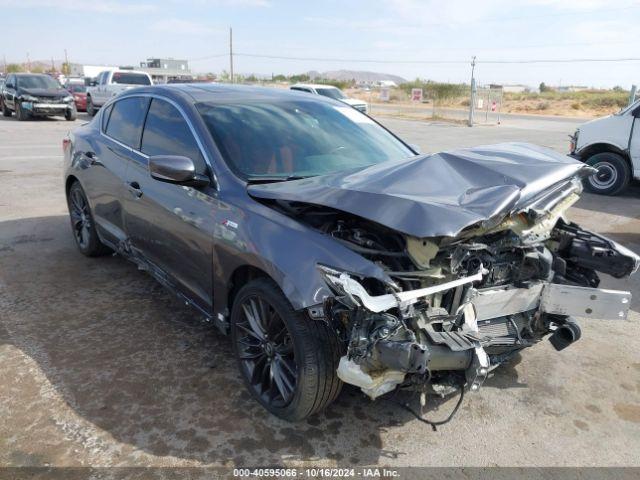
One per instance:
[(176, 169)]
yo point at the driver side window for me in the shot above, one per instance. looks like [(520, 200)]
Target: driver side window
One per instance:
[(166, 132)]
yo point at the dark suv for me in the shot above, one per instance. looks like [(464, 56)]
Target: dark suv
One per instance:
[(36, 95), (331, 251)]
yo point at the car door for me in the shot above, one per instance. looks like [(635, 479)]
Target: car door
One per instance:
[(102, 88), (109, 156), (10, 92), (634, 142), (169, 224)]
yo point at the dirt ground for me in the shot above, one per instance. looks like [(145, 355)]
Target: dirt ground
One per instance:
[(100, 366)]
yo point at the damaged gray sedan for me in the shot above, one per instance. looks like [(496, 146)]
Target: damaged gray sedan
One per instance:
[(329, 249)]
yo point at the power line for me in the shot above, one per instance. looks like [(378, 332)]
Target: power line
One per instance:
[(207, 57), (356, 60), (349, 60), (563, 60)]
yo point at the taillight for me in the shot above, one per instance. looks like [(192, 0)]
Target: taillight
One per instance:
[(65, 143)]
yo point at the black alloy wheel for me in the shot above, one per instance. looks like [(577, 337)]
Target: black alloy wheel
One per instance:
[(265, 351), (288, 360), (82, 224)]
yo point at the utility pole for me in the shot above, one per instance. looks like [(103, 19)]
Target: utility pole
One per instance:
[(67, 67), (231, 53), (632, 93), (473, 91), (28, 63), (4, 62)]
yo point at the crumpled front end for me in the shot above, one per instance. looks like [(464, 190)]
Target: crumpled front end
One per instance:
[(455, 308)]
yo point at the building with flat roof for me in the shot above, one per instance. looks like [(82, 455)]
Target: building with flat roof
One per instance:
[(164, 69)]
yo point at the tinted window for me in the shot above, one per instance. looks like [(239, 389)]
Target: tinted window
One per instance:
[(76, 88), (105, 117), (37, 81), (166, 133), (297, 137), (130, 78), (125, 121), (331, 93)]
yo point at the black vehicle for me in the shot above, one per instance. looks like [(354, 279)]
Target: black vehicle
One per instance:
[(36, 95), (328, 249)]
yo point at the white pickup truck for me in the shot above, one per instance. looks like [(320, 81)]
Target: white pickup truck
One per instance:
[(110, 83), (612, 145)]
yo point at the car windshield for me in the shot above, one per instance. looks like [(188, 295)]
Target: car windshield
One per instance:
[(294, 138), (76, 88), (334, 93), (36, 81), (130, 78)]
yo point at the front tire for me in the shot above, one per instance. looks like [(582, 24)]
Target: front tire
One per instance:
[(82, 223), (71, 114), (614, 174), (287, 360), (21, 113), (91, 111)]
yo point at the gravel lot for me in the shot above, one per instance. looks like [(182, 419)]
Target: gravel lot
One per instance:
[(100, 366)]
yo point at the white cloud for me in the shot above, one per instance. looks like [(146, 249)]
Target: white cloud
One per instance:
[(183, 27), (96, 6)]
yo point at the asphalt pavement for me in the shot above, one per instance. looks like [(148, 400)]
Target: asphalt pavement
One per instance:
[(100, 366)]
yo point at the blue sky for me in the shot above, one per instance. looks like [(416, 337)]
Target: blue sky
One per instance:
[(125, 32)]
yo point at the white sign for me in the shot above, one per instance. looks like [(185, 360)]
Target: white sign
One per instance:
[(385, 94), (416, 95), (480, 102)]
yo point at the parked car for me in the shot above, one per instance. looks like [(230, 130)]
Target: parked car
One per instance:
[(328, 249), (612, 146), (111, 83), (79, 92), (331, 92), (36, 95)]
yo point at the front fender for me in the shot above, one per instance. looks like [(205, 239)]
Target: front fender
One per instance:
[(286, 250)]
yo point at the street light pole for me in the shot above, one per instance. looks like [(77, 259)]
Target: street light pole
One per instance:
[(473, 91), (231, 53)]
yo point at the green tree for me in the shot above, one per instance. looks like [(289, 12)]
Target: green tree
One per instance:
[(14, 67), (543, 87)]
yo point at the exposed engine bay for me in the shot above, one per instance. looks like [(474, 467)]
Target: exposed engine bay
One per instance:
[(457, 307)]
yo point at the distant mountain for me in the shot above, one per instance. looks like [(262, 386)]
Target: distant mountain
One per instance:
[(358, 76)]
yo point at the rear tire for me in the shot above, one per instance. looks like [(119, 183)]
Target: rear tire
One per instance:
[(21, 113), (614, 174), (312, 353), (5, 110), (83, 225)]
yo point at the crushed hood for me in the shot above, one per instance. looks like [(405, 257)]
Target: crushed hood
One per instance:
[(438, 194), (45, 92)]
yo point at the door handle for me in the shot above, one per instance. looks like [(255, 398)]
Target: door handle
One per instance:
[(134, 188)]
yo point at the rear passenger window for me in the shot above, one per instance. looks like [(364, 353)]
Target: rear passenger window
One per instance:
[(166, 133), (125, 121)]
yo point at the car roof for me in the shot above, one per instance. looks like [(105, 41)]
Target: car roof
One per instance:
[(223, 93), (25, 74), (314, 85)]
